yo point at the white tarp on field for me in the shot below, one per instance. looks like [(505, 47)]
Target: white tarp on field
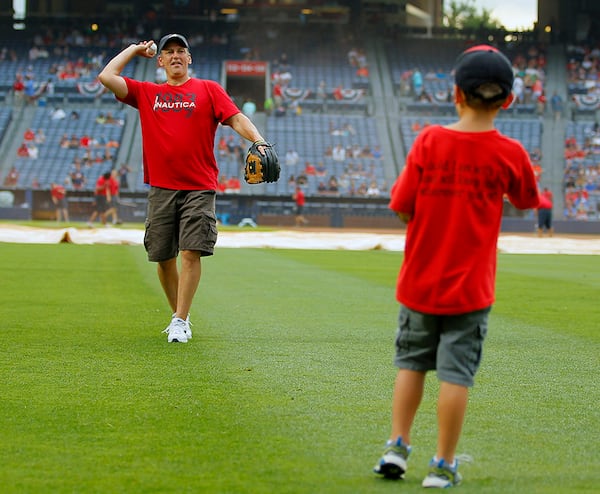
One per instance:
[(296, 239)]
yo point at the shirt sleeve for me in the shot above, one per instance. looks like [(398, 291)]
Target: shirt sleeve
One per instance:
[(223, 105), (132, 91), (523, 190), (404, 191)]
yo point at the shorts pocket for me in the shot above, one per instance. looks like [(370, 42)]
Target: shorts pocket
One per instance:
[(403, 332)]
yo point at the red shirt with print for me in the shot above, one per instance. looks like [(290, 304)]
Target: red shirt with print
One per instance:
[(178, 127), (453, 186)]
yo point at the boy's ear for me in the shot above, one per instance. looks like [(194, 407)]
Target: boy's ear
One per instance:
[(508, 102), (459, 96)]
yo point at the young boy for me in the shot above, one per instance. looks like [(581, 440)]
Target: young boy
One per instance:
[(451, 194)]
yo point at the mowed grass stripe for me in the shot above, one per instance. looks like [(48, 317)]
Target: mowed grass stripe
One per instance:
[(285, 387)]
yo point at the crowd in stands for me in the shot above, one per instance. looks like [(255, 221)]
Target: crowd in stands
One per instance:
[(433, 85), (582, 174), (344, 168), (290, 94), (583, 68), (581, 180)]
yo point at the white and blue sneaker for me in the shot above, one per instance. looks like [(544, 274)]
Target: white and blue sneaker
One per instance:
[(442, 475), (392, 465), (176, 331)]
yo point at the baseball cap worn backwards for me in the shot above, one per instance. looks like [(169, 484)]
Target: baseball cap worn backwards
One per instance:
[(483, 64), (173, 37)]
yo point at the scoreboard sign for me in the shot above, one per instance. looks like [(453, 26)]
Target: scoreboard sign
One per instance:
[(245, 68)]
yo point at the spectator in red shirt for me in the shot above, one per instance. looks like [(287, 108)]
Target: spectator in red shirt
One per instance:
[(58, 193), (12, 177), (102, 199), (18, 87), (113, 204), (222, 185), (300, 200), (233, 185), (338, 94), (29, 135), (277, 94), (309, 169), (544, 213), (23, 151)]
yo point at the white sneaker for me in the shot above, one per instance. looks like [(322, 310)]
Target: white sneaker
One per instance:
[(188, 329), (188, 324), (176, 331)]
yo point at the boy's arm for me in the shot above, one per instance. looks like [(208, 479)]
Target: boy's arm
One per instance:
[(523, 193), (403, 193)]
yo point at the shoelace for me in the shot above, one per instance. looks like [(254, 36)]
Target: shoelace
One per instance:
[(465, 458), (166, 330), (187, 319)]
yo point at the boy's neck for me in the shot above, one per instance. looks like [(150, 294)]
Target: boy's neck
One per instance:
[(470, 120)]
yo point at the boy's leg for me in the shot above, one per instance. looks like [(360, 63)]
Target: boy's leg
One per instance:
[(452, 406), (458, 359), (408, 392)]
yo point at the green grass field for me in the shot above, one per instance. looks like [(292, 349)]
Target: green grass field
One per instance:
[(286, 385)]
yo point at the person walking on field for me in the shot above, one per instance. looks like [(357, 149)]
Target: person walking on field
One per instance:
[(450, 193), (102, 200), (178, 119), (300, 200), (58, 193), (544, 213), (113, 206)]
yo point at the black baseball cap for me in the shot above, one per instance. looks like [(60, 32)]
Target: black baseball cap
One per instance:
[(483, 64), (173, 37)]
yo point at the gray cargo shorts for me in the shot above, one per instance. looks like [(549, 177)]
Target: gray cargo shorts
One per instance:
[(450, 344)]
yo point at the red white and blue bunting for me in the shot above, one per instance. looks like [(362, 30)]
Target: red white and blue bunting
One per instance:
[(441, 96), (94, 89), (295, 94), (352, 95), (587, 101)]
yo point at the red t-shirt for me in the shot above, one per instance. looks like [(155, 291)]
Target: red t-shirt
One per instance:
[(545, 202), (300, 198), (113, 186), (453, 186), (58, 192), (102, 186), (233, 183), (178, 127)]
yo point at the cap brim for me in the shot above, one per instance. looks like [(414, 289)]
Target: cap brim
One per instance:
[(181, 41)]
